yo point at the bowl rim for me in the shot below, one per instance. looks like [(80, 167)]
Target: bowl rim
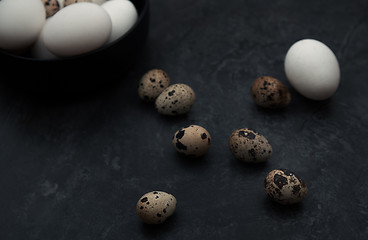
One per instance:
[(141, 16)]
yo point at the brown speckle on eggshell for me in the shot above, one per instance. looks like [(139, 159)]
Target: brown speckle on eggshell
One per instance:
[(51, 7), (249, 146), (152, 84), (269, 92), (155, 207), (176, 99), (284, 187), (192, 141)]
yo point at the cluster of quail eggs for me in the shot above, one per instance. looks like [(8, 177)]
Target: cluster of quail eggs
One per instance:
[(305, 72), (192, 141), (281, 185), (176, 99), (51, 29)]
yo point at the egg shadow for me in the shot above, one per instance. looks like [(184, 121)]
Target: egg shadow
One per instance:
[(75, 82), (301, 102), (191, 161), (282, 211), (170, 119), (47, 94), (272, 111), (147, 106), (298, 102), (158, 230), (247, 168)]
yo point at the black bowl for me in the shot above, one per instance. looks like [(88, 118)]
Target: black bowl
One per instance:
[(79, 73)]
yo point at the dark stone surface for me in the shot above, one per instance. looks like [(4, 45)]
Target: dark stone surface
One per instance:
[(75, 168)]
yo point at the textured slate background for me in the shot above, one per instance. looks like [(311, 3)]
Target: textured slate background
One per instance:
[(75, 168)]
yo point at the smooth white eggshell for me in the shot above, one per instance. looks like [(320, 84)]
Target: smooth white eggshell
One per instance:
[(77, 29), (99, 2), (61, 3), (123, 16), (312, 69), (21, 22), (40, 51)]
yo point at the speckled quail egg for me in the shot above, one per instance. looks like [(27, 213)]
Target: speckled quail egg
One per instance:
[(249, 146), (284, 187), (51, 6), (155, 207), (175, 100), (269, 92), (152, 84), (69, 2), (192, 141)]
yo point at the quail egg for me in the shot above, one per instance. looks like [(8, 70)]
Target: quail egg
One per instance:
[(269, 92), (193, 140), (155, 207), (249, 146), (175, 100), (152, 84), (51, 6), (284, 187)]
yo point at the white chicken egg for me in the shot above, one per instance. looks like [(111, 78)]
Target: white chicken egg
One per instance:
[(21, 22), (99, 2), (77, 29), (312, 69), (40, 51), (61, 3), (123, 16)]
